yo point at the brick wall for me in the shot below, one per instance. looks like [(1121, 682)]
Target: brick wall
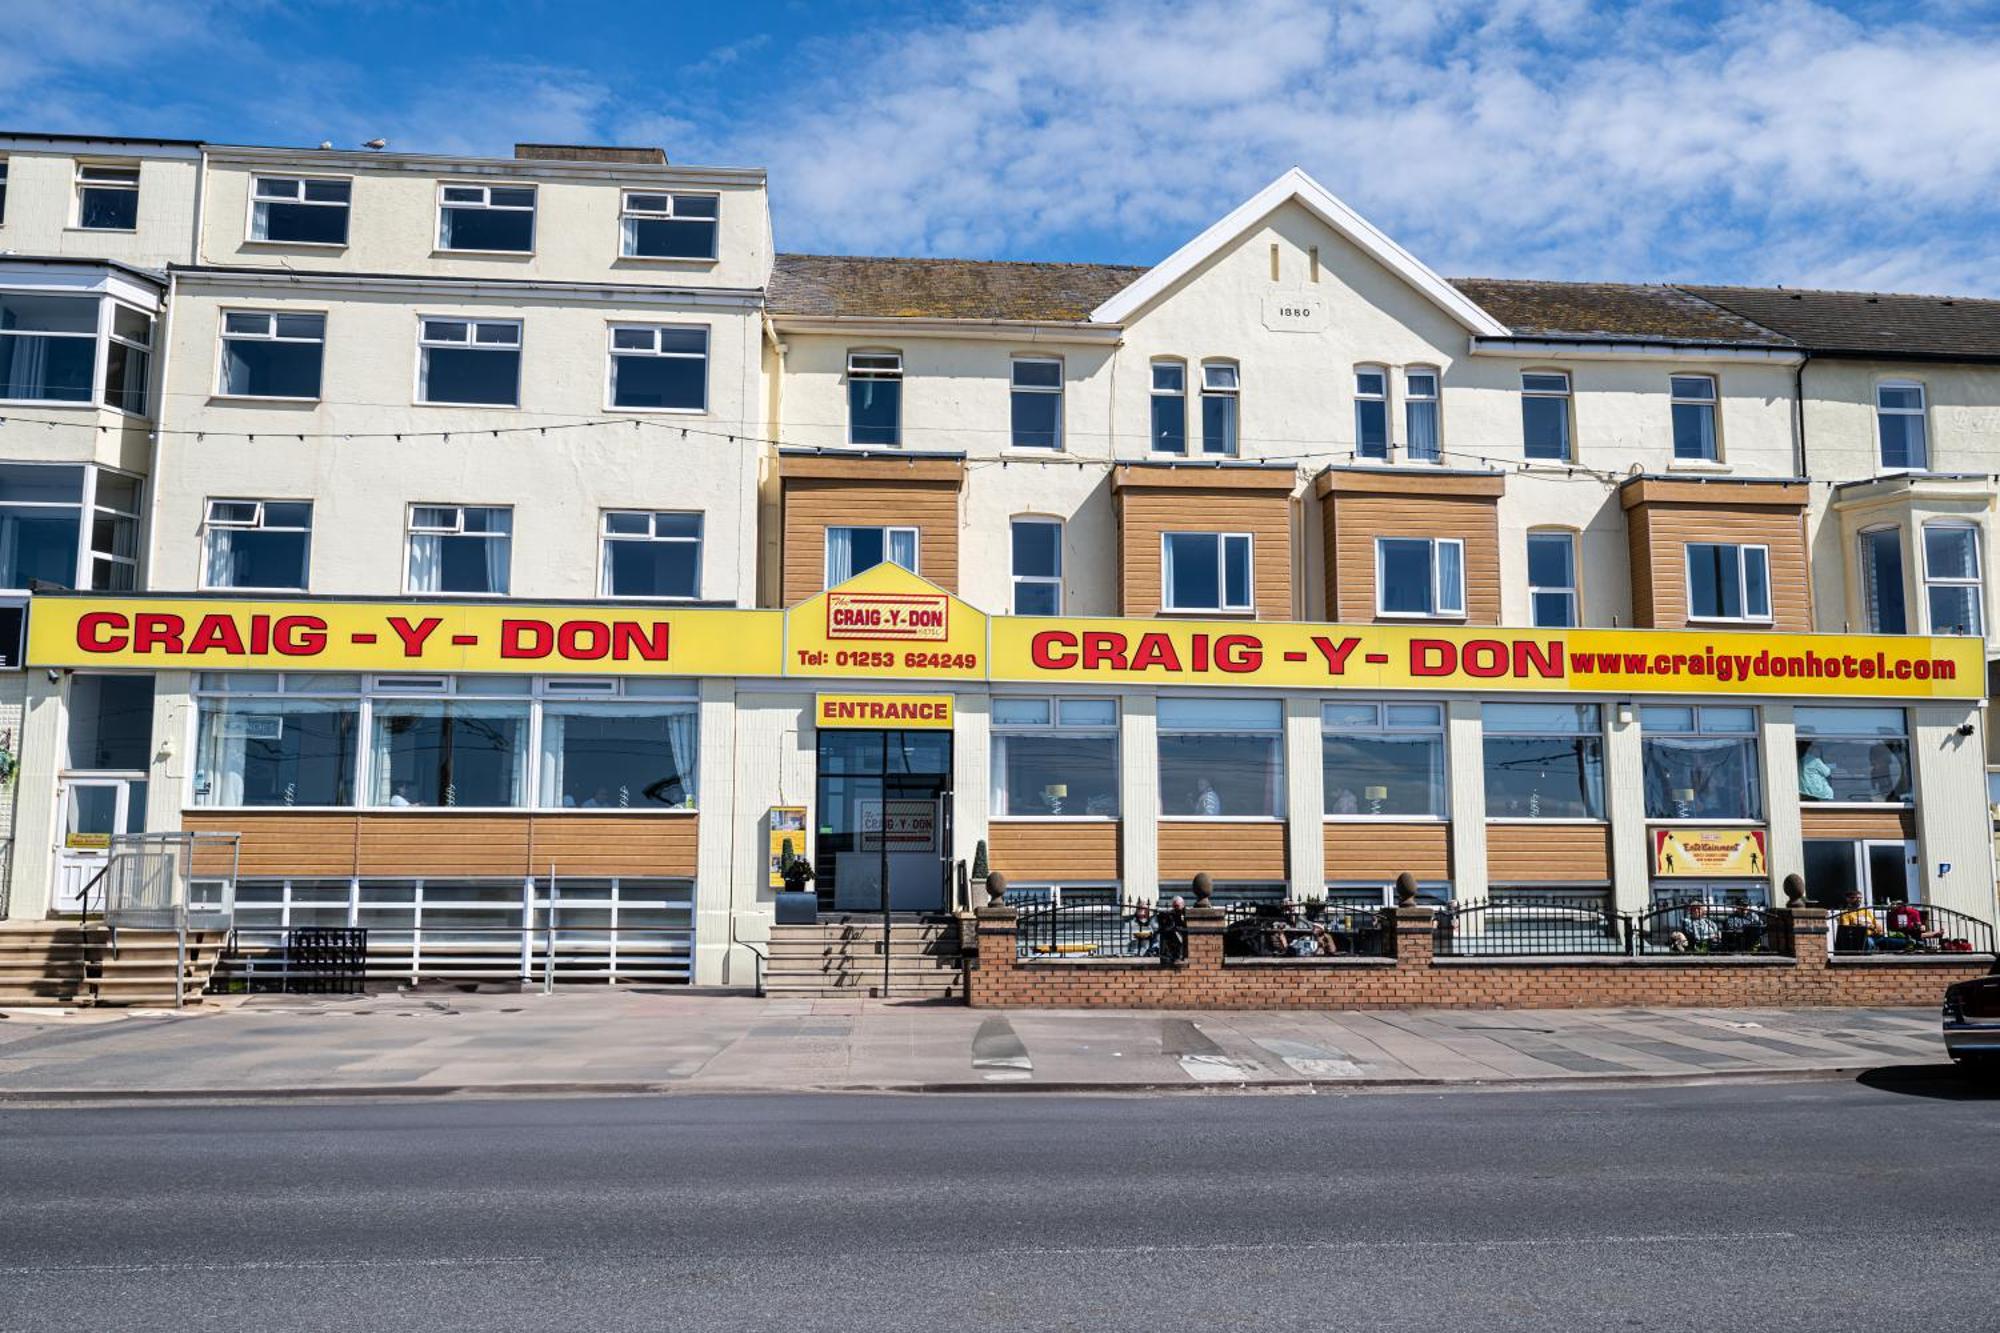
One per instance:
[(1413, 978)]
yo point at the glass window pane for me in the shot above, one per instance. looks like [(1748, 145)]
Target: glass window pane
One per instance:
[(20, 312), (1550, 560), (30, 483), (1037, 549), (652, 568), (1020, 712), (1405, 566), (488, 229), (1348, 717), (1218, 423), (1848, 768), (1221, 714), (1221, 774), (1903, 442), (1555, 719), (1169, 424), (1169, 377), (1904, 397), (1037, 599), (1545, 383), (662, 382), (1038, 374), (1037, 420), (1694, 430), (618, 756), (1544, 777), (47, 368), (1371, 427), (1882, 580), (1219, 376), (1951, 552), (1689, 778), (1053, 774), (1719, 720), (276, 752), (463, 375), (1664, 717), (449, 752), (669, 238), (300, 326), (1693, 386), (1545, 427), (110, 722), (1815, 720), (1236, 571), (1193, 576), (256, 558), (1955, 610), (874, 410), (1089, 712), (261, 368), (1384, 774), (1415, 715), (1756, 581)]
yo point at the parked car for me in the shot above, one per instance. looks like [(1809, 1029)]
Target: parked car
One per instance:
[(1972, 1021)]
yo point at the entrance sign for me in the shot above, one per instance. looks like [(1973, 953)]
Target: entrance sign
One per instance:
[(888, 625), (1687, 851), (890, 712)]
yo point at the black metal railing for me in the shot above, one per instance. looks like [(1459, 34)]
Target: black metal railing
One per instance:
[(1699, 927), (1308, 929), (1907, 928), (1530, 924), (1086, 927), (308, 960)]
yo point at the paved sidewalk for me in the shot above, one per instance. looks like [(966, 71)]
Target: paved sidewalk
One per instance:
[(668, 1040)]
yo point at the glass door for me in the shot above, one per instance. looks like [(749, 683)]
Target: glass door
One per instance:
[(93, 809), (882, 820)]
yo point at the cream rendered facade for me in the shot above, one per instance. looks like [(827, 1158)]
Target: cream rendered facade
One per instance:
[(1292, 290)]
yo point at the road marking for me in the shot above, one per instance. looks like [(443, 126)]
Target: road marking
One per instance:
[(274, 1265), (1524, 1242)]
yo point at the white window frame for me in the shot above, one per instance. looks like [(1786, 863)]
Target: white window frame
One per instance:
[(1058, 726), (1413, 399), (1222, 542), (1713, 404), (1015, 388), (412, 530), (1361, 397), (1922, 412), (1568, 398), (605, 537), (1382, 727), (1232, 392), (250, 236), (113, 179), (533, 210), (271, 334), (1439, 610), (472, 324), (100, 330), (1154, 393), (1871, 608), (886, 529), (613, 351), (673, 198), (1977, 582), (86, 508), (1575, 589), (255, 524), (145, 349), (1016, 578), (857, 357), (1742, 550)]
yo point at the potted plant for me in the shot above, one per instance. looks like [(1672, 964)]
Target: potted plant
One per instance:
[(798, 904)]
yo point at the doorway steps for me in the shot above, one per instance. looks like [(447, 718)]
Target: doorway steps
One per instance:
[(842, 955), (52, 963)]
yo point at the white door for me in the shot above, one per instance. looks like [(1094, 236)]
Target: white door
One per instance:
[(93, 810)]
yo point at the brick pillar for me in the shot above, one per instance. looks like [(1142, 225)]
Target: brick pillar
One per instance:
[(990, 968), (1809, 929), (1409, 932), (1204, 928)]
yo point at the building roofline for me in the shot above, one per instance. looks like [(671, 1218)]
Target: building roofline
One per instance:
[(458, 164), (152, 275), (254, 276)]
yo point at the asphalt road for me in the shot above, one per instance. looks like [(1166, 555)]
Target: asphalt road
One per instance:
[(1809, 1206)]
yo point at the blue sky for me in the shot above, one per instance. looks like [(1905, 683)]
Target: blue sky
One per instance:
[(1803, 142)]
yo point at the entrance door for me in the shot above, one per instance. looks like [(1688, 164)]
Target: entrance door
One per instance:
[(882, 803), (92, 810)]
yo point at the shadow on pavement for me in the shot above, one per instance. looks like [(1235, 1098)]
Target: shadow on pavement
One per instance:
[(1943, 1082)]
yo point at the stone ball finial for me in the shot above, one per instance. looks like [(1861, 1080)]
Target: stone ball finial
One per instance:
[(996, 890), (1406, 890), (1204, 889), (1795, 890)]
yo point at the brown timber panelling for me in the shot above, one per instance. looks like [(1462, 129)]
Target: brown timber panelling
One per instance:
[(1227, 851), (1353, 522), (1888, 823), (1383, 851), (439, 845), (813, 504), (1661, 518), (1055, 850), (1145, 513), (1547, 853)]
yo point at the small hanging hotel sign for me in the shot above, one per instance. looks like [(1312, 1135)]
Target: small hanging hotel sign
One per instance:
[(1709, 851), (890, 712)]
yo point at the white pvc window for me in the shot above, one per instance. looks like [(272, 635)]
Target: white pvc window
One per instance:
[(1371, 412), (1037, 552), (300, 210), (107, 198), (1545, 415), (1422, 425), (1728, 582), (850, 550), (258, 544), (1383, 759), (1169, 407), (659, 368), (1055, 758), (461, 548), (271, 354), (1419, 576), (475, 362), (1882, 597), (1900, 424), (1552, 596), (1701, 762), (1954, 593), (1693, 401), (1222, 757), (650, 554), (875, 398), (1037, 403), (489, 218), (1221, 404), (657, 225), (48, 347), (1206, 571)]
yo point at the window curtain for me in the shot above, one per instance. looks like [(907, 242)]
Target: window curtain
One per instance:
[(219, 780), (222, 558), (381, 752), (903, 549), (839, 555), (682, 731), (1423, 431), (496, 563), (426, 562), (1451, 577), (555, 732), (27, 366)]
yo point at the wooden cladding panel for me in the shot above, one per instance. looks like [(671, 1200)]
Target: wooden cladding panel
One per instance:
[(1226, 850), (1145, 514), (1056, 850), (1374, 851), (1658, 534), (1547, 853), (1885, 823), (394, 845), (1351, 523), (814, 504)]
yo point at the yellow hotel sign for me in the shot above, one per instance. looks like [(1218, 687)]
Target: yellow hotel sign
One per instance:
[(889, 625), (902, 712)]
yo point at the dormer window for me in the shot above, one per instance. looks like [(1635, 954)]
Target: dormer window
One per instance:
[(107, 198), (668, 226)]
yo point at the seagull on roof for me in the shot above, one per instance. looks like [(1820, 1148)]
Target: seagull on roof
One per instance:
[(377, 144)]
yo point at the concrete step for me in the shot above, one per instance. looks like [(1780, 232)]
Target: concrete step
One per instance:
[(941, 950)]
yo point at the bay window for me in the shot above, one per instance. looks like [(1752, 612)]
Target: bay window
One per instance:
[(1701, 762), (1055, 758), (1222, 757), (1419, 576), (43, 535), (48, 347), (1882, 595), (1728, 582), (1544, 761), (1853, 754), (1953, 591), (1205, 571), (128, 363), (1383, 759)]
